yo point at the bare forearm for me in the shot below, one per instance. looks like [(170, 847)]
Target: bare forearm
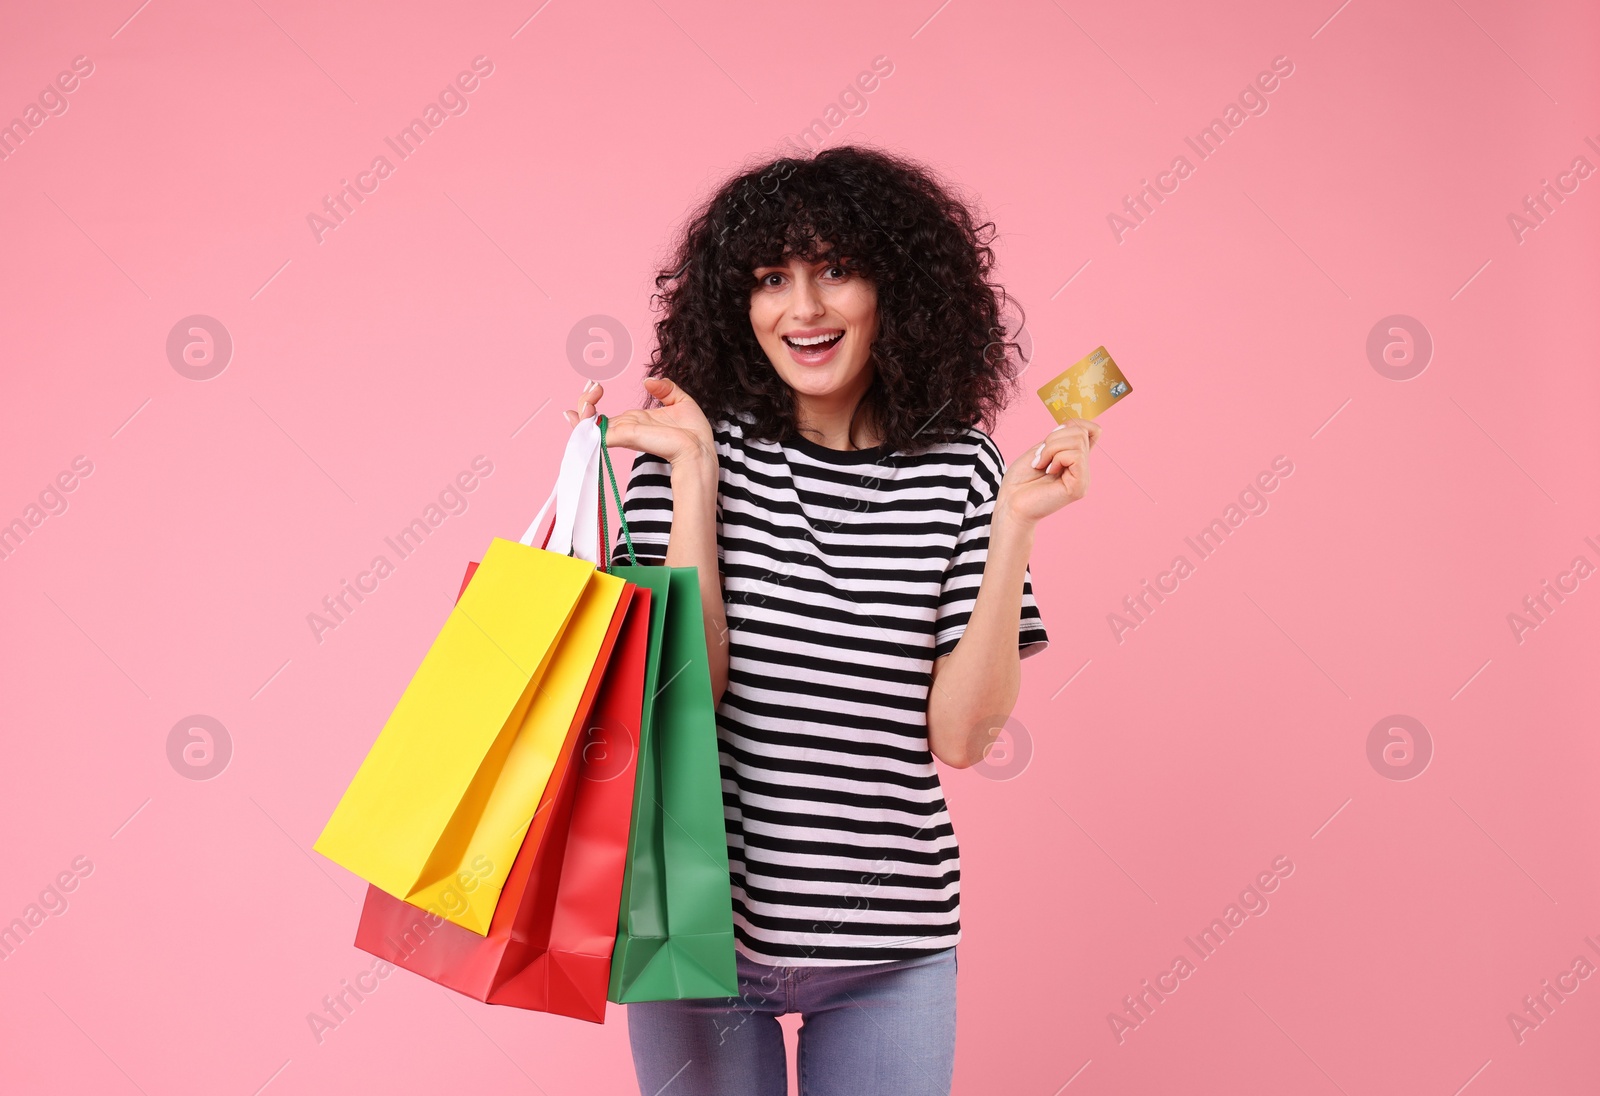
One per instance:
[(977, 683), (693, 543)]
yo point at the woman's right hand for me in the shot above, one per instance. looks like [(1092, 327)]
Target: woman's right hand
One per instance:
[(676, 431)]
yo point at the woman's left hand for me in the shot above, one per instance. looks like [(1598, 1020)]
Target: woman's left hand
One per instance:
[(1051, 474)]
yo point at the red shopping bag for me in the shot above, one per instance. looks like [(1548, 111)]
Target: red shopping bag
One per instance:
[(549, 943)]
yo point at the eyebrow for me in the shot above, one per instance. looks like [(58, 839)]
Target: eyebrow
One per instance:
[(814, 262)]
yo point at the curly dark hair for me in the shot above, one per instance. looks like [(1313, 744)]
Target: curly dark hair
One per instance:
[(942, 361)]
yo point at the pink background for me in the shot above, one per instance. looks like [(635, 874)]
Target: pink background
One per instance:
[(1228, 729)]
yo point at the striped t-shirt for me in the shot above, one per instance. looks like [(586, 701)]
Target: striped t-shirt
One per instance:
[(844, 575)]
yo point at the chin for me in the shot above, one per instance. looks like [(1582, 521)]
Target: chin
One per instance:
[(818, 381), (816, 384)]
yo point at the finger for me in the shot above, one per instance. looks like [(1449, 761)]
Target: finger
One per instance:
[(620, 429), (1073, 450), (1075, 459), (1090, 429), (1058, 439), (666, 391), (1084, 428), (571, 417), (1053, 460)]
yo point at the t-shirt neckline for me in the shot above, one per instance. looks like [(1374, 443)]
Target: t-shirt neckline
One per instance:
[(838, 456)]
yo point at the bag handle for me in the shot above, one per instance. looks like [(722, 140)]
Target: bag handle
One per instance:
[(576, 492), (622, 517)]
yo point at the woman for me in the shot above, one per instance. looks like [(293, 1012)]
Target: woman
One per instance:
[(829, 350)]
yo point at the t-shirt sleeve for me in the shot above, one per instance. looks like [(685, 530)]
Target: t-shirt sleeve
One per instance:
[(959, 591), (647, 504)]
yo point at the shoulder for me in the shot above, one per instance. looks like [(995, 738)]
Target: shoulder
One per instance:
[(973, 449), (985, 451), (729, 429)]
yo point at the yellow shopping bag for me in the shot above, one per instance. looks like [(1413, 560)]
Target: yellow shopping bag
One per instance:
[(437, 811)]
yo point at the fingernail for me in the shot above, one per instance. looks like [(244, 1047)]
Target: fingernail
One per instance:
[(589, 387), (1037, 453)]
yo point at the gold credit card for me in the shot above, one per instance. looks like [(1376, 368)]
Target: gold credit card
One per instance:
[(1086, 389)]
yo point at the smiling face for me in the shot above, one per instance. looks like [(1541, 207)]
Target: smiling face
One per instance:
[(816, 322)]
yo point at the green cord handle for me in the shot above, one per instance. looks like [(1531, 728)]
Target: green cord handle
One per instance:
[(622, 517)]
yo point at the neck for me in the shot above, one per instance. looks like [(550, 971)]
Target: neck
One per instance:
[(827, 420)]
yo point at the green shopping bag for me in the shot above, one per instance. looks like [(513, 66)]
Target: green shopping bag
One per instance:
[(675, 922)]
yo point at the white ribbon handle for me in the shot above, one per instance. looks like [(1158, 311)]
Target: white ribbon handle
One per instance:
[(575, 497)]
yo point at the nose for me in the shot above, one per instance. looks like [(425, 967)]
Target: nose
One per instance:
[(807, 301)]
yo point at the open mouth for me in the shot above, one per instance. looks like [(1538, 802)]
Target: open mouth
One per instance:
[(816, 344)]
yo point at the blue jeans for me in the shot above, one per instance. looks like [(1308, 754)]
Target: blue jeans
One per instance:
[(884, 1029)]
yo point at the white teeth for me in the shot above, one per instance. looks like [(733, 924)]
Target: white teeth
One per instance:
[(813, 340)]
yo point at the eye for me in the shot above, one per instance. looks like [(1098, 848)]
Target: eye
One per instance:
[(762, 281)]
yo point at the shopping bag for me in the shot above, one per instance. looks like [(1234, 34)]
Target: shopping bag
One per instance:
[(675, 921), (438, 810), (549, 943), (570, 945)]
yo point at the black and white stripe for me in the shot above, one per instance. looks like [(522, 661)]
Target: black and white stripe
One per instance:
[(844, 575)]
